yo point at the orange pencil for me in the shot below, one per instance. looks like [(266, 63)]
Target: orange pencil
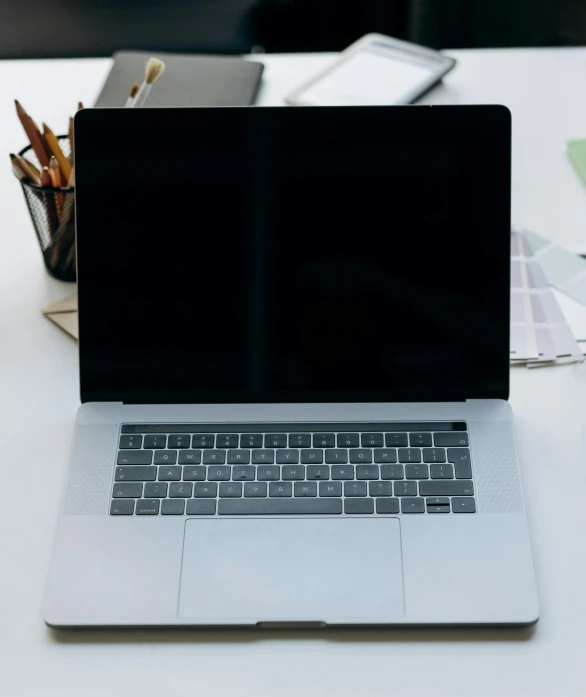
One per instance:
[(55, 173), (55, 148), (70, 135), (34, 135)]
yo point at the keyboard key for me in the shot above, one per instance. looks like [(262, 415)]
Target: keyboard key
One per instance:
[(324, 440), (227, 440), (449, 439), (230, 489), (461, 459), (165, 457), (360, 456), (203, 440), (285, 457), (387, 505), (420, 440), (189, 457), (135, 457), (275, 440), (367, 472), (396, 440), (305, 489), (409, 455), (337, 457), (195, 507), (405, 488), (372, 440), (359, 506), (194, 474), (155, 442), (354, 488), (448, 487), (251, 440), (268, 474), (155, 490), (130, 442), (300, 440), (263, 457), (218, 474), (437, 504), (348, 440), (392, 472), (179, 440), (169, 474), (180, 490), (276, 506), (290, 472), (330, 488), (255, 489), (380, 489), (214, 457), (205, 490), (127, 490), (147, 507), (384, 455), (342, 472), (247, 472), (465, 504), (434, 455), (280, 489), (172, 507), (412, 505), (135, 474), (416, 472), (312, 457), (122, 507), (445, 471), (318, 472), (238, 457)]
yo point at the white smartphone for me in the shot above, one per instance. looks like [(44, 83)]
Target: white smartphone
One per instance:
[(374, 70)]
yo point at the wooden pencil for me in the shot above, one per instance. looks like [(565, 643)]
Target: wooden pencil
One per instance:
[(56, 182), (46, 177), (33, 133), (32, 167), (55, 148), (70, 136), (22, 170)]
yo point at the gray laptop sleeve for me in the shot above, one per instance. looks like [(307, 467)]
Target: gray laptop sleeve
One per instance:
[(188, 80)]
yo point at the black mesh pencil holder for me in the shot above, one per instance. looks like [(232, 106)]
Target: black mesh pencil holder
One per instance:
[(53, 215)]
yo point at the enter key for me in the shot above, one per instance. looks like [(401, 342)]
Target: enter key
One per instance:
[(462, 464)]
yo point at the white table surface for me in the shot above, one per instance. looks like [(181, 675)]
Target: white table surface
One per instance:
[(546, 91)]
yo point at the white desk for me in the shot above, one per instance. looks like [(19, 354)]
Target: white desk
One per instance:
[(39, 397)]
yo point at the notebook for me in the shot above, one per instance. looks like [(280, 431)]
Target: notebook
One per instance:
[(188, 80)]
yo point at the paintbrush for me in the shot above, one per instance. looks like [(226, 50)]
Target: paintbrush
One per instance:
[(133, 92), (152, 72)]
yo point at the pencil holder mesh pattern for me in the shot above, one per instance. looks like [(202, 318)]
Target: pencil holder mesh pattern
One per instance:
[(53, 215)]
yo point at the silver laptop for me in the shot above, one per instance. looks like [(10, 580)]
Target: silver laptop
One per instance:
[(294, 330)]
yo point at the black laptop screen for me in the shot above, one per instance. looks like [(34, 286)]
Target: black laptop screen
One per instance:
[(293, 254)]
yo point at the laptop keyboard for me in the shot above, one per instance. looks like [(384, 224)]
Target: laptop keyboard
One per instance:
[(294, 469)]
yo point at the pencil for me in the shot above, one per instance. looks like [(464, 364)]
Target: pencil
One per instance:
[(22, 170), (33, 134), (70, 135), (79, 106), (32, 167), (56, 183), (46, 177), (55, 148)]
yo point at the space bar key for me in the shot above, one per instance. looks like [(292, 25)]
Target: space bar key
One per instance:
[(279, 506)]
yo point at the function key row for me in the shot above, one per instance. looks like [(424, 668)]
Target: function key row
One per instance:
[(293, 440)]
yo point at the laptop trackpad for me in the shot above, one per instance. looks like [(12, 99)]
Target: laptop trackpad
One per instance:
[(253, 570)]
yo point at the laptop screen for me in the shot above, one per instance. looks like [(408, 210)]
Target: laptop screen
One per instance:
[(293, 254)]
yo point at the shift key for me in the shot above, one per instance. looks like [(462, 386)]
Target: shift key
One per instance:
[(446, 487), (135, 474)]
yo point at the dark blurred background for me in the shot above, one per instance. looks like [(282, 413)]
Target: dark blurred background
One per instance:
[(64, 28)]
